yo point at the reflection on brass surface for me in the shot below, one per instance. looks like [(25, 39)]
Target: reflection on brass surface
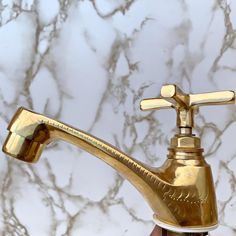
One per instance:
[(180, 192)]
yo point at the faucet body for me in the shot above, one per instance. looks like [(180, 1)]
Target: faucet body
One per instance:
[(181, 185), (180, 192)]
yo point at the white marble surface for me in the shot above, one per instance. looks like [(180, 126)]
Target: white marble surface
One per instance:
[(88, 63)]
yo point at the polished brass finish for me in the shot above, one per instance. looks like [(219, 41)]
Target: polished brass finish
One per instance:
[(180, 192), (185, 104)]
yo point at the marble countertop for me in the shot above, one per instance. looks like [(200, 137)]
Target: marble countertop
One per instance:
[(89, 63)]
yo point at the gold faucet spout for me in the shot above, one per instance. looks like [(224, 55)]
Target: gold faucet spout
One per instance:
[(30, 132)]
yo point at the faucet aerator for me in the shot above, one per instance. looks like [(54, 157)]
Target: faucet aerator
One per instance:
[(22, 148)]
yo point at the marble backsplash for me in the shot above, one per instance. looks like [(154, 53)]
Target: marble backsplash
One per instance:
[(89, 63)]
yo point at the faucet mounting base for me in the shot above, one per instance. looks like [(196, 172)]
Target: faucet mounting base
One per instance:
[(184, 229), (158, 231)]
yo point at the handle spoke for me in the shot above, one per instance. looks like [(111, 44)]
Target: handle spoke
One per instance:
[(214, 98), (155, 104)]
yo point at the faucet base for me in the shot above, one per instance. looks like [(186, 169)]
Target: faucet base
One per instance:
[(158, 231), (183, 229)]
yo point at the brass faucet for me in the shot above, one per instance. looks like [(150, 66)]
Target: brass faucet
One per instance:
[(181, 192)]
